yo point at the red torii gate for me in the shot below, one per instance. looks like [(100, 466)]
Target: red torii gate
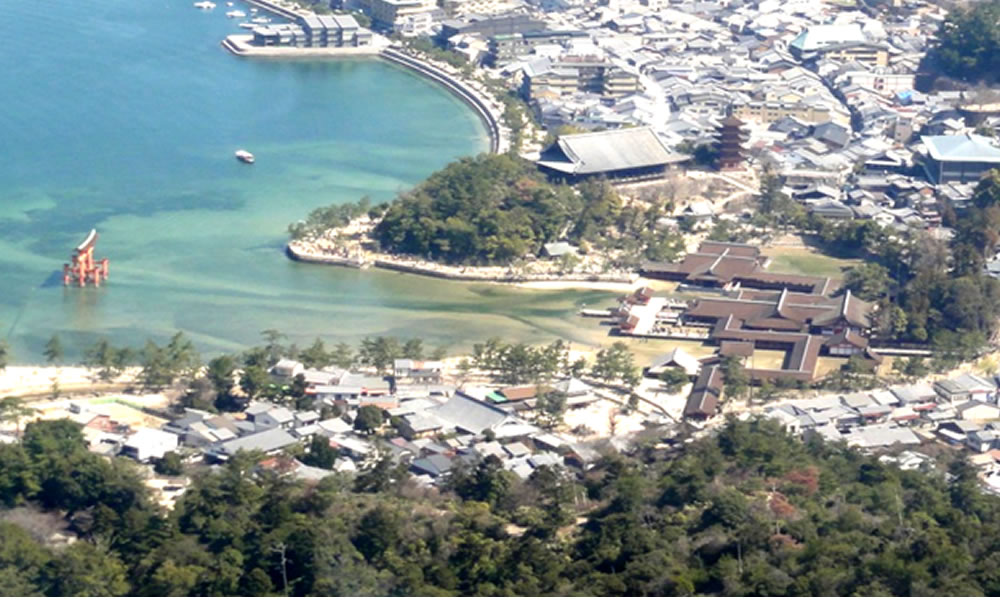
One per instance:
[(83, 268)]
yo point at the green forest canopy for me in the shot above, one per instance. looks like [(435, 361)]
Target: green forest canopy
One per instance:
[(749, 511), (487, 209), (968, 45), (492, 209)]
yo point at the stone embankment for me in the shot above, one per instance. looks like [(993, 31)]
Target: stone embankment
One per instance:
[(487, 109), (300, 251)]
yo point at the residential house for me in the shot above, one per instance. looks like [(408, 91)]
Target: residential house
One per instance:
[(466, 414), (983, 440), (306, 417), (965, 387), (287, 368), (352, 445), (434, 465), (974, 410), (920, 396), (267, 441), (881, 436), (420, 425), (268, 416), (406, 370), (955, 432), (147, 444)]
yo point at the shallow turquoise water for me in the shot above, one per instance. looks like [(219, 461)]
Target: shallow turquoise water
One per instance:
[(124, 114)]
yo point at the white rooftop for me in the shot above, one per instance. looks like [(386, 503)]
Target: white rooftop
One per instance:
[(968, 148)]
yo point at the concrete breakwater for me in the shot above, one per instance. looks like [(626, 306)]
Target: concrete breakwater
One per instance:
[(404, 265)]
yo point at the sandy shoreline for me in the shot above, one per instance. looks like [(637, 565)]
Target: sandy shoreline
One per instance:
[(606, 286), (31, 380)]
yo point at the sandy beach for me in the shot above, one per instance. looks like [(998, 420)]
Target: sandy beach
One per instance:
[(608, 286), (33, 380)]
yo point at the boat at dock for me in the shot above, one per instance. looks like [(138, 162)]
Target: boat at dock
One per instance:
[(236, 14), (244, 156), (247, 25), (260, 20), (205, 5)]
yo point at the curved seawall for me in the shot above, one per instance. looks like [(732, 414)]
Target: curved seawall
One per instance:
[(499, 141)]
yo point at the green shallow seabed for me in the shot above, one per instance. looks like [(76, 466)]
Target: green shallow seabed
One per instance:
[(124, 116)]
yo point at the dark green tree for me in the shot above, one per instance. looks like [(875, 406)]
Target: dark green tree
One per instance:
[(868, 281), (103, 356), (616, 364), (379, 352), (221, 372), (413, 349), (4, 354), (551, 406), (369, 419), (674, 379), (342, 356), (315, 356), (254, 381), (320, 453), (85, 569), (487, 482), (15, 409), (53, 350), (736, 380), (170, 465)]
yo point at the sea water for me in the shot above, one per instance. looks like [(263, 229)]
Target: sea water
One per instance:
[(123, 115)]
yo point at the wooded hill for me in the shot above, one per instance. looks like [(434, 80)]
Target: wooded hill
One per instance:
[(748, 511), (493, 209), (968, 45)]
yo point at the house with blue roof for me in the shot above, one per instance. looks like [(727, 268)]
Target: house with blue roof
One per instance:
[(959, 158)]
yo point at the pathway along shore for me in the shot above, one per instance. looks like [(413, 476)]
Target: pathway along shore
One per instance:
[(470, 274)]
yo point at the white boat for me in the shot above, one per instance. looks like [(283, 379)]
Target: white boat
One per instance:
[(260, 20), (229, 3), (253, 11), (244, 156), (205, 5), (236, 14), (247, 25)]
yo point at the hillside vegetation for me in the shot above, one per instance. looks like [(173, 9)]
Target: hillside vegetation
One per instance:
[(749, 511), (968, 45), (495, 209)]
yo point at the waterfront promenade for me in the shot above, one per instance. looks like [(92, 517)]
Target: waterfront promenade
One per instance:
[(310, 253)]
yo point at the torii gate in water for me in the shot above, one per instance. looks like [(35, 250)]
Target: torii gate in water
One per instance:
[(82, 267)]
